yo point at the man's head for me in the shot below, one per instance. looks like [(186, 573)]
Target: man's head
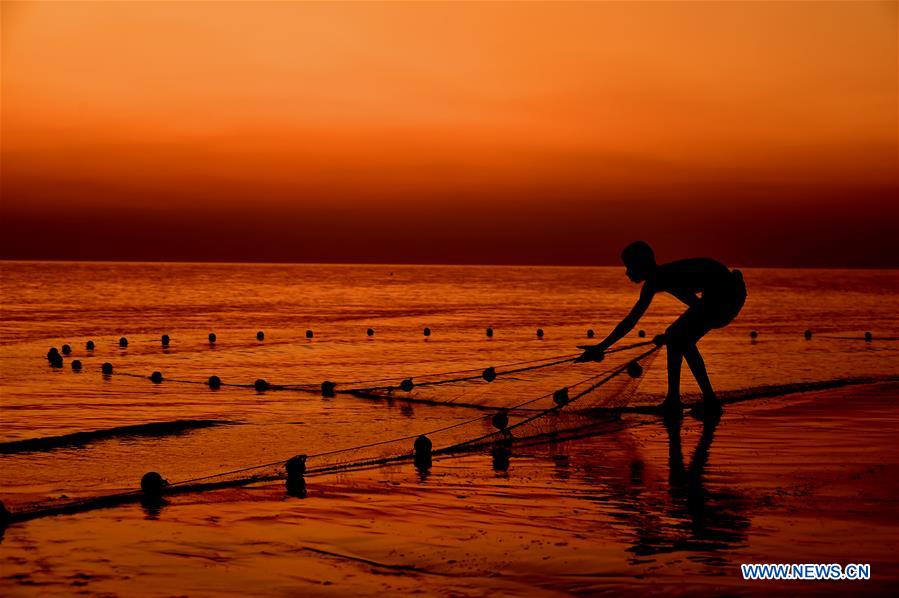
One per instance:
[(639, 260)]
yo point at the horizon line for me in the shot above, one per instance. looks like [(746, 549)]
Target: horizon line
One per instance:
[(400, 264)]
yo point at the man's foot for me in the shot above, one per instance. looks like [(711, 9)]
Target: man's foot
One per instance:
[(671, 409), (707, 410)]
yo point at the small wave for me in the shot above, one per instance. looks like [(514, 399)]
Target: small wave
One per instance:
[(778, 390), (81, 439), (747, 394)]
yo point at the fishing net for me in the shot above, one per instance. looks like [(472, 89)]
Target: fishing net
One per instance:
[(517, 404)]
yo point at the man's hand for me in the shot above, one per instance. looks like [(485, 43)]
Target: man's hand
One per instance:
[(659, 340), (591, 353)]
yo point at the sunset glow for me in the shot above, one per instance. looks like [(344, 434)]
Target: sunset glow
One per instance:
[(522, 127)]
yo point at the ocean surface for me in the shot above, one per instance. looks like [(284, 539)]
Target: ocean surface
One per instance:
[(579, 485)]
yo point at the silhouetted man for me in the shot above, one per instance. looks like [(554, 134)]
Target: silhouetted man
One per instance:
[(713, 295)]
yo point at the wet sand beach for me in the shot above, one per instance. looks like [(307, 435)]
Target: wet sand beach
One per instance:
[(809, 477)]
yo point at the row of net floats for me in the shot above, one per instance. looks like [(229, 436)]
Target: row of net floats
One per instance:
[(55, 356), (166, 341), (329, 389)]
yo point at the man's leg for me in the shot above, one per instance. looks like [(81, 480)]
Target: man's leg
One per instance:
[(710, 408), (675, 358), (677, 338), (697, 366)]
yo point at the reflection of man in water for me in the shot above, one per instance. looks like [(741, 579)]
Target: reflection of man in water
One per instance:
[(697, 517), (721, 294)]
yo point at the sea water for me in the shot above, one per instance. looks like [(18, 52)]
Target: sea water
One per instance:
[(49, 304)]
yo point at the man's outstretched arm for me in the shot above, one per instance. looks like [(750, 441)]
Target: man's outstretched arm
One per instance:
[(621, 330)]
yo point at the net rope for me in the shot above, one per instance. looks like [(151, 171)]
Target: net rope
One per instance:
[(422, 387)]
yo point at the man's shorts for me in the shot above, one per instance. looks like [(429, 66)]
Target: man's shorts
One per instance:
[(717, 307)]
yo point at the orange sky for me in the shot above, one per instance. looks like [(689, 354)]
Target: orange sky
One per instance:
[(765, 133)]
